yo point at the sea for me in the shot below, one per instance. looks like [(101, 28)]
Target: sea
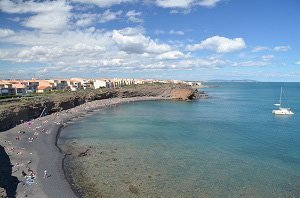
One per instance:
[(229, 145)]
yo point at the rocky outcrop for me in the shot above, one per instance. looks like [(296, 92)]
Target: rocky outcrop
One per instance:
[(183, 94), (2, 193), (8, 183), (15, 111)]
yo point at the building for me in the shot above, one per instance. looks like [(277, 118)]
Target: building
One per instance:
[(194, 84), (139, 82), (100, 84), (6, 89), (20, 89), (74, 85), (60, 85), (85, 84), (129, 81), (31, 85), (43, 89)]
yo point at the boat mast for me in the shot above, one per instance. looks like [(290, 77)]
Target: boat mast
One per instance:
[(280, 96)]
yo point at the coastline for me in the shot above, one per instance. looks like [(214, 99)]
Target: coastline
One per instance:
[(33, 146)]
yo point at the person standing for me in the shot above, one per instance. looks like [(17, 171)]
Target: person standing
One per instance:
[(45, 174)]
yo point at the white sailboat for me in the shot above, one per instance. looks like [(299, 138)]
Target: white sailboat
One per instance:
[(282, 110)]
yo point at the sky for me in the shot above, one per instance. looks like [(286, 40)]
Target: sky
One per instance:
[(160, 39)]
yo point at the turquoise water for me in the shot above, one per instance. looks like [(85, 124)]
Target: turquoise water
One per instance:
[(227, 146)]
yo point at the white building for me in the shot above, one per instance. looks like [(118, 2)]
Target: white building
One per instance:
[(74, 85), (20, 89), (6, 89), (100, 84)]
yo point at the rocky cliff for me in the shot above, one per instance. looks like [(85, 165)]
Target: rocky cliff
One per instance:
[(13, 112)]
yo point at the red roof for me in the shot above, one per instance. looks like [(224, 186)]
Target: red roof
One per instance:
[(18, 86), (43, 87)]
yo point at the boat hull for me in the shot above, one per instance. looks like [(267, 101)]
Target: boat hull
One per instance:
[(282, 112)]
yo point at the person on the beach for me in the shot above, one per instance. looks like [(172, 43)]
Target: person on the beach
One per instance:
[(23, 173), (45, 174)]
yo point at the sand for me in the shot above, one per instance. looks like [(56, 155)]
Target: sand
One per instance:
[(32, 148)]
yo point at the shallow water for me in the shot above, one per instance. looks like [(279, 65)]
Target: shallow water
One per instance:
[(227, 146)]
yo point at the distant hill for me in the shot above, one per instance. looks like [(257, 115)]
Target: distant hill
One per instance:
[(221, 80)]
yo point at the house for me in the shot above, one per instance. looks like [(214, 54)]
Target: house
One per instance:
[(129, 81), (60, 84), (85, 84), (194, 84), (74, 85), (100, 84), (110, 84), (20, 89), (31, 85), (139, 82), (6, 89), (43, 89)]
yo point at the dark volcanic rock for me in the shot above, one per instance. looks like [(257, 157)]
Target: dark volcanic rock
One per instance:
[(133, 189), (2, 193)]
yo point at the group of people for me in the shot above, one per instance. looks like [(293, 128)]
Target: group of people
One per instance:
[(29, 132)]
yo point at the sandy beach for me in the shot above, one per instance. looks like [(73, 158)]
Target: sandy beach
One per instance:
[(36, 161)]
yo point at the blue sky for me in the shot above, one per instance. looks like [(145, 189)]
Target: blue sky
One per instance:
[(164, 39)]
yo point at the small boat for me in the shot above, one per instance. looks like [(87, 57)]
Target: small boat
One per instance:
[(282, 110)]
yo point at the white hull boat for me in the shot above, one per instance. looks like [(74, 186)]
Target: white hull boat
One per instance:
[(281, 110)]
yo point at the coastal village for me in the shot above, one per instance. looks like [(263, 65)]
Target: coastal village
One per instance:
[(25, 87)]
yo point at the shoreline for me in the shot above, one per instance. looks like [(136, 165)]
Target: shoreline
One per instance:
[(32, 148)]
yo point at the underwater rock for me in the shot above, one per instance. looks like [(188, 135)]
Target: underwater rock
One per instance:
[(133, 189)]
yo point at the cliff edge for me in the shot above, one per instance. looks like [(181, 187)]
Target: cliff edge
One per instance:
[(15, 111)]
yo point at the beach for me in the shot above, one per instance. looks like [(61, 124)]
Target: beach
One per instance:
[(36, 161)]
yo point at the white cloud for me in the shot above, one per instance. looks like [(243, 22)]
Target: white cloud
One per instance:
[(210, 62), (219, 44), (174, 3), (172, 32), (208, 3), (49, 16), (91, 50), (15, 19), (297, 63), (276, 48), (171, 55), (260, 48), (185, 11), (66, 47), (158, 32), (103, 3), (6, 32), (108, 15), (84, 20), (282, 48), (133, 41), (49, 21), (133, 16), (88, 19), (250, 63), (18, 7), (185, 4), (181, 33), (268, 57)]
